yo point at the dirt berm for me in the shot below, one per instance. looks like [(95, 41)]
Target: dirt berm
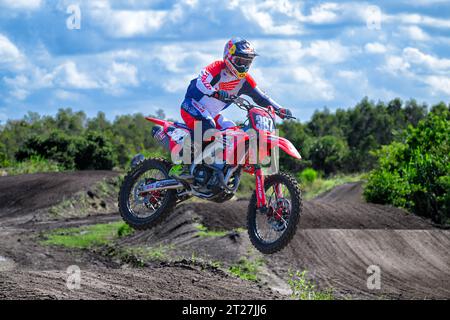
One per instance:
[(340, 238)]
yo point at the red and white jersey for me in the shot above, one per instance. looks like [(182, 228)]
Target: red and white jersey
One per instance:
[(216, 77)]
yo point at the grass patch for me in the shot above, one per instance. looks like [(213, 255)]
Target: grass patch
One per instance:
[(159, 253), (137, 256), (33, 165), (204, 232), (321, 185), (304, 289), (124, 230), (87, 236), (246, 269)]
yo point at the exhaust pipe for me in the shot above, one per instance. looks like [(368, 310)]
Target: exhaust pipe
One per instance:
[(161, 185)]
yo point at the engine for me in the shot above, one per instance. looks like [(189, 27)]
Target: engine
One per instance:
[(207, 182), (205, 179)]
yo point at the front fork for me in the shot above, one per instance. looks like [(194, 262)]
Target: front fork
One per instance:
[(261, 202)]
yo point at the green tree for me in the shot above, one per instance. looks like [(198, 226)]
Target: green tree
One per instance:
[(328, 154), (57, 146), (94, 152), (415, 174), (70, 122)]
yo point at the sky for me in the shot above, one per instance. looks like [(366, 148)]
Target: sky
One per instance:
[(124, 57)]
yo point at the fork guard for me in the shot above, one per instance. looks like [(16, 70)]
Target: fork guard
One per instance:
[(284, 144)]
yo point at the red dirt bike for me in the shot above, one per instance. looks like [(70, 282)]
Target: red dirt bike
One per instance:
[(150, 192)]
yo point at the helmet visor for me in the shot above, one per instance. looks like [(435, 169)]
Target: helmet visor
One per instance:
[(242, 62)]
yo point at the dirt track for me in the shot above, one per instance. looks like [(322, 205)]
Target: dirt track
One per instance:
[(339, 237)]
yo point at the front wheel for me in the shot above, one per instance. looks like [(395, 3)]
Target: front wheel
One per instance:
[(271, 231)]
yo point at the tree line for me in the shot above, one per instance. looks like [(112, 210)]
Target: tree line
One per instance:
[(347, 140), (331, 142), (75, 141)]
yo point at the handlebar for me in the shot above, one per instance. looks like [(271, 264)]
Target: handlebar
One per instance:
[(247, 105)]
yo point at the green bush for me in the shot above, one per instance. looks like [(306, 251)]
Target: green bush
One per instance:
[(90, 151), (328, 153), (124, 230), (94, 152), (416, 175), (33, 165), (57, 146), (304, 289), (308, 175)]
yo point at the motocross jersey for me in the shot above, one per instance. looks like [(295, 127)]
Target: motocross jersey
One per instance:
[(215, 77)]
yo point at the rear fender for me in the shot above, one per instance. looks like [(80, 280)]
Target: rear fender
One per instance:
[(175, 145), (159, 122)]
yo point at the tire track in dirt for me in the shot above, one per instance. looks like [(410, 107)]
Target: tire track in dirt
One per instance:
[(159, 282), (29, 270), (339, 236)]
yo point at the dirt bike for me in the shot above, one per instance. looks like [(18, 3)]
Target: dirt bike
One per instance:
[(149, 192)]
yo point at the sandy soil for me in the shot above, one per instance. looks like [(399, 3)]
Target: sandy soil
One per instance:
[(340, 236)]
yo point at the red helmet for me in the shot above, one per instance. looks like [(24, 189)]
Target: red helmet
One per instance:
[(238, 56)]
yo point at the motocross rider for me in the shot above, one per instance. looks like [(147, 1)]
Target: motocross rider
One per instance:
[(208, 94)]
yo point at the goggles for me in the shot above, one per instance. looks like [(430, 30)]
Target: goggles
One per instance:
[(242, 62)]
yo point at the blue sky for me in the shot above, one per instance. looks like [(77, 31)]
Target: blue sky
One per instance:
[(139, 56)]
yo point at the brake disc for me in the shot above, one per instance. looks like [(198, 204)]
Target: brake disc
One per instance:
[(279, 223), (137, 198)]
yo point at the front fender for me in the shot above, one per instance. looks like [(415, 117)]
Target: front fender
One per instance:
[(285, 145)]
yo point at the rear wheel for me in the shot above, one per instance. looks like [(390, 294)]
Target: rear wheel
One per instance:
[(272, 231), (145, 211)]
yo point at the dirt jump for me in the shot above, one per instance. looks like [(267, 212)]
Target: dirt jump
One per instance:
[(340, 238)]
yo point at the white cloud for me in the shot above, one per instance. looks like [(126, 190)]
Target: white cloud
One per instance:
[(415, 61), (18, 86), (10, 57), (176, 84), (375, 47), (323, 13), (121, 23), (121, 75), (415, 33), (135, 23), (417, 57), (330, 51), (21, 4), (439, 84), (315, 86), (417, 19), (261, 15), (284, 17), (424, 2), (349, 74), (395, 65), (68, 75), (420, 67), (290, 52), (66, 95)]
